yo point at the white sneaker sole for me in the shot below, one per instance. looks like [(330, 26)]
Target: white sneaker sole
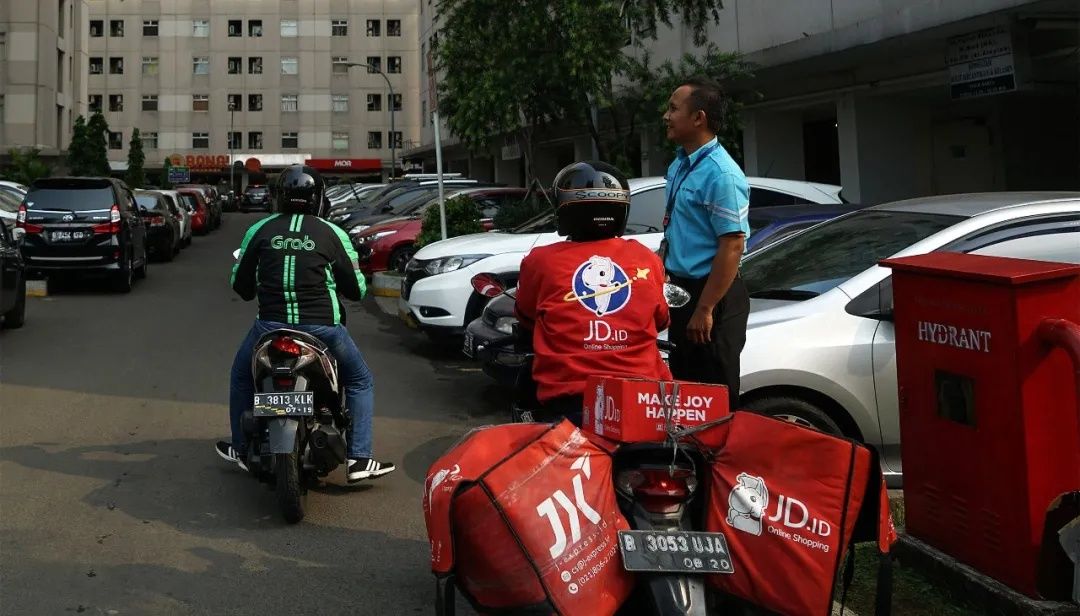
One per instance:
[(362, 475), (236, 461)]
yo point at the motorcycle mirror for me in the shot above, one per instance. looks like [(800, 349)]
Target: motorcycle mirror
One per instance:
[(236, 254), (676, 296)]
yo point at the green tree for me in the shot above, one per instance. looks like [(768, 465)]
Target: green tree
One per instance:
[(25, 165), (78, 150), (555, 61), (136, 177), (97, 132), (165, 183), (462, 218)]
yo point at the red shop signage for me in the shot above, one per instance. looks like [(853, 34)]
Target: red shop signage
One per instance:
[(345, 164), (200, 162)]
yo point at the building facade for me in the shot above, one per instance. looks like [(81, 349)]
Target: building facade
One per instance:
[(888, 99), (279, 81), (42, 73)]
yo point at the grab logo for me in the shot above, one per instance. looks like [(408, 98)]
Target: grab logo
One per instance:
[(573, 509)]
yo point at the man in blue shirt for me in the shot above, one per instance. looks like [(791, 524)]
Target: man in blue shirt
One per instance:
[(705, 235)]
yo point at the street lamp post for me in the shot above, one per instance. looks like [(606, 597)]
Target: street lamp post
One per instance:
[(390, 102), (232, 167)]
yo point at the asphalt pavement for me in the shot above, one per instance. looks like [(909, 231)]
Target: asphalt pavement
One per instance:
[(112, 500)]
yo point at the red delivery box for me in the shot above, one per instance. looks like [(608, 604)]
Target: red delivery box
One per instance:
[(636, 410)]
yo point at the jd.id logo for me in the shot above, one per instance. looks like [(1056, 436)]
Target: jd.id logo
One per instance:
[(601, 286), (279, 242)]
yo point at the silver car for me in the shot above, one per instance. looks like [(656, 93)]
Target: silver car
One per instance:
[(819, 347)]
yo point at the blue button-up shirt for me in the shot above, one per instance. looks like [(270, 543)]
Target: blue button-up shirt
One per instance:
[(712, 200)]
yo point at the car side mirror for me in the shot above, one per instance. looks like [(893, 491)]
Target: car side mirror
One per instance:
[(874, 303)]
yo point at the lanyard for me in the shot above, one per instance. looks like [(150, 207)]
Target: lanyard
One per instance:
[(675, 190)]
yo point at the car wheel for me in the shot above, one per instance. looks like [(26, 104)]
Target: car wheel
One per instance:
[(400, 257), (140, 272), (125, 278), (797, 411), (14, 318)]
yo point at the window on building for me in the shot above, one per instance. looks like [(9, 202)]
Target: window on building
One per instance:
[(235, 140), (393, 27), (339, 27), (200, 65), (340, 141), (116, 102), (393, 64), (200, 28), (289, 141), (255, 140), (149, 141), (374, 64), (374, 141), (200, 102), (236, 65), (150, 65), (95, 102), (116, 28), (236, 27), (254, 102), (289, 65), (200, 141), (395, 138), (340, 102), (150, 27), (149, 102), (289, 28), (235, 102), (255, 28), (116, 140), (341, 65), (374, 102), (396, 102), (255, 65), (374, 27), (116, 66), (97, 28), (289, 102), (97, 66)]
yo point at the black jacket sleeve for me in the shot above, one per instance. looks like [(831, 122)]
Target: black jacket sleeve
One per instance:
[(347, 274), (245, 270)]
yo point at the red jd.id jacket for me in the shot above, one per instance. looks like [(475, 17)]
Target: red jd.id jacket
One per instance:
[(595, 308)]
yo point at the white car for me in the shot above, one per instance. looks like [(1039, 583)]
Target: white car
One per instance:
[(186, 231), (437, 289), (819, 346), (11, 196)]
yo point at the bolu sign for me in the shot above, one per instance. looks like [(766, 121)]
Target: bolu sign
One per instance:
[(200, 162)]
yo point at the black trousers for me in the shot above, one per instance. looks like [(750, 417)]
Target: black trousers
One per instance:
[(716, 361)]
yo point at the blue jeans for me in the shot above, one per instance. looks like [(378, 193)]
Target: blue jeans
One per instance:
[(353, 375)]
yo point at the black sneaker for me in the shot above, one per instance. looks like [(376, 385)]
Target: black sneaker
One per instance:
[(366, 468), (226, 451)]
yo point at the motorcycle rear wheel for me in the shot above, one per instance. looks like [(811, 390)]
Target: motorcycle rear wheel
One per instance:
[(291, 495)]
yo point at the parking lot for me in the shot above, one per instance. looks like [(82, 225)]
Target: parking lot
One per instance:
[(112, 500)]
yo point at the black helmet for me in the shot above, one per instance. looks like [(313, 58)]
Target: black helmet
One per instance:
[(592, 201), (300, 189)]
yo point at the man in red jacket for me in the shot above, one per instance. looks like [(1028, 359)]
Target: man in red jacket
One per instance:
[(595, 303)]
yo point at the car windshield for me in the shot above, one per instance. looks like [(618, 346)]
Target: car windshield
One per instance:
[(190, 202), (150, 202), (257, 190), (70, 199), (8, 202), (816, 261), (544, 223)]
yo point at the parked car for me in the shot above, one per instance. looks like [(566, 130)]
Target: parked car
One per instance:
[(256, 197), (163, 229), (200, 213), (387, 198), (389, 245), (181, 213), (12, 279), (437, 287), (769, 225), (14, 189), (84, 225), (9, 206), (210, 200)]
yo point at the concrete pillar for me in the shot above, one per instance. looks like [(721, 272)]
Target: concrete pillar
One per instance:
[(655, 157), (886, 148), (773, 144), (481, 169)]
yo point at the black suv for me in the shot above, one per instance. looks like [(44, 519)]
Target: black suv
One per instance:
[(84, 225), (256, 197)]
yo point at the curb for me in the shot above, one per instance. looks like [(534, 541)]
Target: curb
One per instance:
[(385, 284)]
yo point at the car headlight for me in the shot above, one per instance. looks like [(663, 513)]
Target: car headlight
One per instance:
[(505, 325), (450, 264), (358, 229), (375, 236)]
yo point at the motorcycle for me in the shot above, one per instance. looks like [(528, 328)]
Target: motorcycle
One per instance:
[(656, 485), (297, 424)]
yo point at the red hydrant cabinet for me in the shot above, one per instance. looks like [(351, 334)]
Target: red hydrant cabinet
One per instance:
[(988, 411)]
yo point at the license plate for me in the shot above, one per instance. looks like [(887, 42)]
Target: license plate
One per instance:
[(284, 404), (467, 347), (674, 551), (68, 236)]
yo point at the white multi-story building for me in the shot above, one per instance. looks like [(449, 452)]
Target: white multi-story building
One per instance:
[(274, 80), (889, 99), (42, 73)]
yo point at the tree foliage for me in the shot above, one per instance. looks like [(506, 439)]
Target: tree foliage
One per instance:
[(165, 183), (25, 165), (462, 218), (78, 150), (97, 135), (136, 177)]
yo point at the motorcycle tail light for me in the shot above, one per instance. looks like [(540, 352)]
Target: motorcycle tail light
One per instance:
[(658, 490), (287, 346), (284, 381)]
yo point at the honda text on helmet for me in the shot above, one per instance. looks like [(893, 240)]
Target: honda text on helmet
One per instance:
[(592, 201)]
